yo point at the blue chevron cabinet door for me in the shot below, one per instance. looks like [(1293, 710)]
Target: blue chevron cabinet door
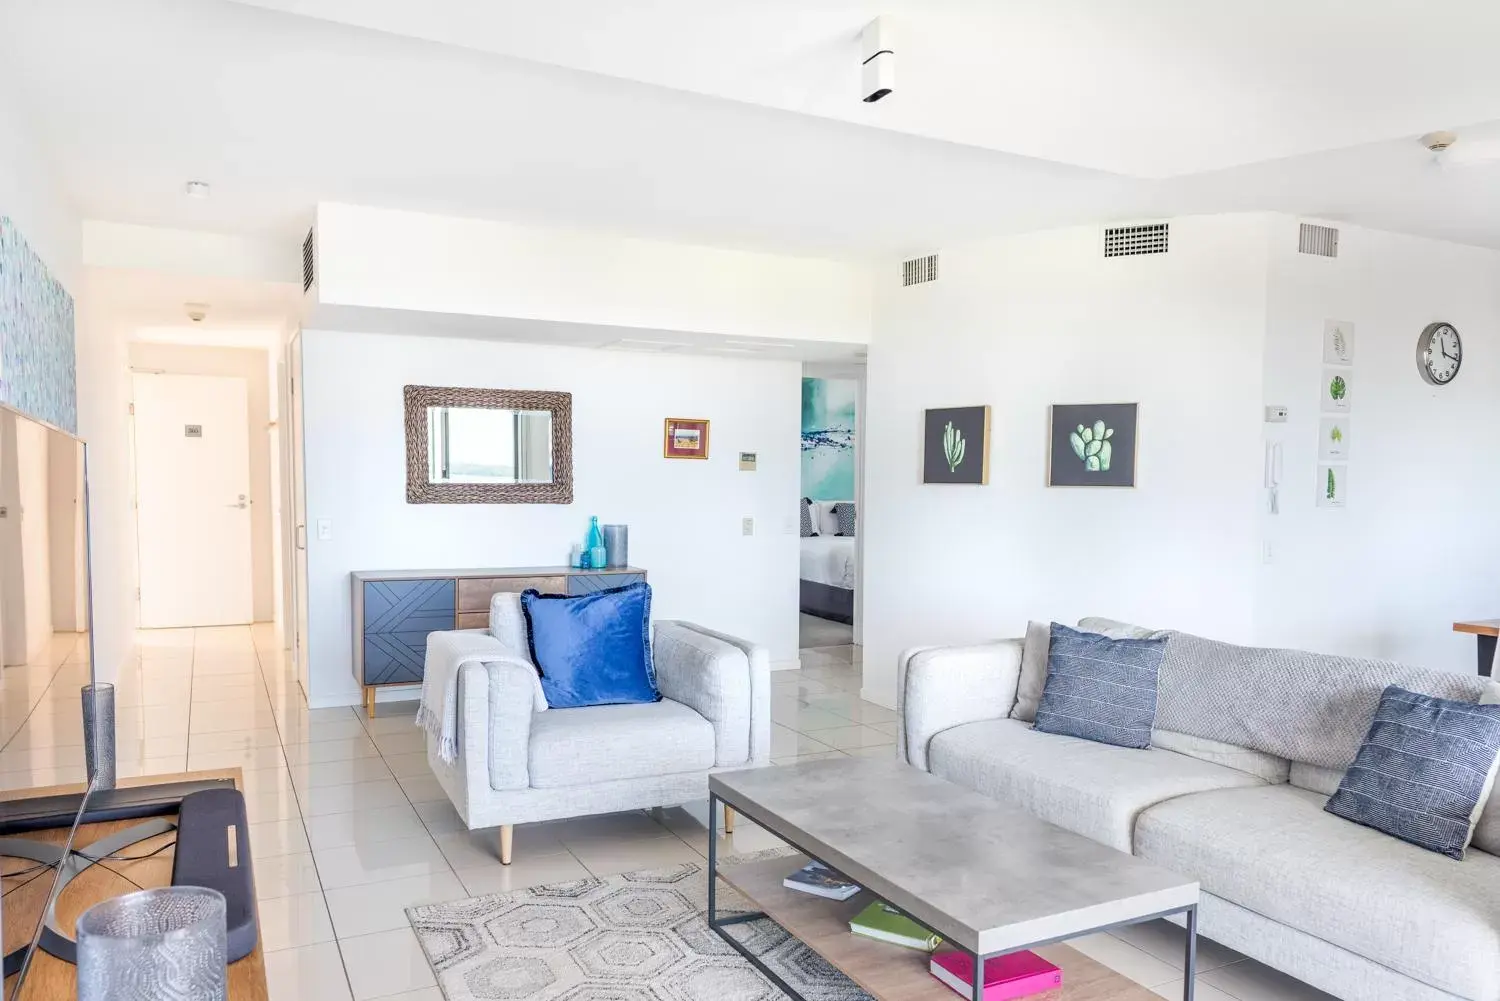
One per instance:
[(588, 583), (398, 616)]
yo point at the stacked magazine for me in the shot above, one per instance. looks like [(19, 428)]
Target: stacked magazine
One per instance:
[(821, 881)]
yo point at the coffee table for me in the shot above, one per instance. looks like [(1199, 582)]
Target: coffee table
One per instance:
[(989, 878)]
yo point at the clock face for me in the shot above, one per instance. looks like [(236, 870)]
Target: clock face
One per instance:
[(1440, 353)]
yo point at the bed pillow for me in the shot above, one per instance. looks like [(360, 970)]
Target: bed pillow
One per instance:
[(823, 515), (843, 518), (592, 649), (809, 519), (1424, 772), (1099, 688)]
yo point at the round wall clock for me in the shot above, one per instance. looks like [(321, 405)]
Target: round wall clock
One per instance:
[(1440, 352)]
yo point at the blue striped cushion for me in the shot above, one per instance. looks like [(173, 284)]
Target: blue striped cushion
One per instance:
[(1423, 771), (1100, 689)]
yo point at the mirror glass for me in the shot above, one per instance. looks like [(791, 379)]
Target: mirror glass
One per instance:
[(488, 445)]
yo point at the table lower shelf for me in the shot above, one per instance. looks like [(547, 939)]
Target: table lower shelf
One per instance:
[(889, 972)]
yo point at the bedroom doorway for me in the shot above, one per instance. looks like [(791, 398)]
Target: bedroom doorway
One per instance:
[(829, 565)]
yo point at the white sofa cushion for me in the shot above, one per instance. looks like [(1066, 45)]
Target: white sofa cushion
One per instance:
[(1274, 851), (1257, 763), (1092, 789), (571, 747)]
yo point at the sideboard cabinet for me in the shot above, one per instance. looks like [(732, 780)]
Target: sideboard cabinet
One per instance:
[(394, 610)]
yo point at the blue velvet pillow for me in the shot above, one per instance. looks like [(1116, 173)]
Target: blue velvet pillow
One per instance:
[(592, 650), (1423, 771), (1099, 688)]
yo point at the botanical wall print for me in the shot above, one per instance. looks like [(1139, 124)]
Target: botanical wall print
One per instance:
[(1338, 342), (684, 438), (1333, 439), (1092, 445), (37, 359), (956, 445), (828, 418), (1338, 389), (1333, 486)]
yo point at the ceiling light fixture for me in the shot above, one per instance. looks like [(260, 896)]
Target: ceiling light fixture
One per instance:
[(197, 189)]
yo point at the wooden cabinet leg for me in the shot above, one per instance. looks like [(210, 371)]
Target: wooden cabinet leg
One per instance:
[(728, 819), (370, 701), (506, 833)]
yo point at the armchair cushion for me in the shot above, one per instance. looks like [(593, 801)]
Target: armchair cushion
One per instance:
[(586, 746), (593, 649)]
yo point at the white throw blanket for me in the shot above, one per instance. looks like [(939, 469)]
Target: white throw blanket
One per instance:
[(446, 653)]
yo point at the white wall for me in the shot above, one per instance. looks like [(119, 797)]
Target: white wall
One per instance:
[(684, 515), (1419, 544), (1026, 322), (413, 261), (30, 195), (251, 365)]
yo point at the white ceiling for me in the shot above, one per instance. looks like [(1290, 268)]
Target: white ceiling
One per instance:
[(735, 122)]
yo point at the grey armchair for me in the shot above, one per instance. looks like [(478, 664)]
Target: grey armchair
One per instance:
[(517, 765)]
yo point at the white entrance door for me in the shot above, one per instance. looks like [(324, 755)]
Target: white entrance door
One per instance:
[(192, 460)]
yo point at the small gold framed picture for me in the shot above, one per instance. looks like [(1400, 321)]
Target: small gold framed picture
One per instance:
[(684, 438)]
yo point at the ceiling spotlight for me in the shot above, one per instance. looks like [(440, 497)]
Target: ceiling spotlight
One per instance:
[(197, 189)]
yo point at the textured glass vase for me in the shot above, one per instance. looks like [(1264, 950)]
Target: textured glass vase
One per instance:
[(163, 944), (99, 734)]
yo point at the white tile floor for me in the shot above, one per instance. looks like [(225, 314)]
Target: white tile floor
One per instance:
[(349, 828)]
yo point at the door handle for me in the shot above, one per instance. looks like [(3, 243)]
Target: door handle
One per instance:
[(301, 536), (241, 505)]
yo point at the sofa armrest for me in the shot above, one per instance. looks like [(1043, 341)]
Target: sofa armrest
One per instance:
[(496, 703), (726, 680), (939, 688)]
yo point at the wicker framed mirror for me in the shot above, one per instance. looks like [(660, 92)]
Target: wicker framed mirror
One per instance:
[(488, 446)]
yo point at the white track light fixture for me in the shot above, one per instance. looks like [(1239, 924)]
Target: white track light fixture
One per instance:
[(879, 77)]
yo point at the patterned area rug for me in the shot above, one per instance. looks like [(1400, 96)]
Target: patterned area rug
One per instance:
[(640, 936)]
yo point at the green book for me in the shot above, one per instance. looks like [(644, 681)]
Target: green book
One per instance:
[(884, 923)]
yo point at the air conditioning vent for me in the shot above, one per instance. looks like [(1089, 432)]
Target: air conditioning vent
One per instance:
[(919, 270), (308, 257), (1320, 240), (1128, 241)]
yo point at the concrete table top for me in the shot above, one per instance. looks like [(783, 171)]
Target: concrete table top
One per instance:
[(987, 877)]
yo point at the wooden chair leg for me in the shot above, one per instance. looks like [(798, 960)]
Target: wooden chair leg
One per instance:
[(728, 819), (506, 833)]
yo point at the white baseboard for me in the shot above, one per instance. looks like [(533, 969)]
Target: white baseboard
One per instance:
[(882, 700), (795, 664), (356, 696)]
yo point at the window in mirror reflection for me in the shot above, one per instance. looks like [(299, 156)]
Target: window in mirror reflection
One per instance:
[(485, 445)]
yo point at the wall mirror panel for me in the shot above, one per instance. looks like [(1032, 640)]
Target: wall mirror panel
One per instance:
[(488, 446)]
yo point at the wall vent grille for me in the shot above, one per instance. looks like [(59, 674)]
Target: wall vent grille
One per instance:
[(308, 258), (1320, 240), (919, 270), (1129, 241)]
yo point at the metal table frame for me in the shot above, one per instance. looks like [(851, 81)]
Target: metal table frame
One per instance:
[(720, 925)]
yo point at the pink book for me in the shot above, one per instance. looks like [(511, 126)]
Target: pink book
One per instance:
[(1017, 975)]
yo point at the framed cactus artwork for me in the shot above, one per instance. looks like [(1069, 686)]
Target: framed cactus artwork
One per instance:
[(1092, 445), (956, 445)]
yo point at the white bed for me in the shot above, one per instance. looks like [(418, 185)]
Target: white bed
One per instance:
[(828, 559)]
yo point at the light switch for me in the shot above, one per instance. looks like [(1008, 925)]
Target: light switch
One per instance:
[(747, 526), (325, 529)]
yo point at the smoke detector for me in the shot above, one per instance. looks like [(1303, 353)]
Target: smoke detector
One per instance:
[(196, 311), (1438, 141)]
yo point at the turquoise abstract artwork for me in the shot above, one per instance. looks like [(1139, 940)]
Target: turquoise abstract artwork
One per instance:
[(37, 359), (828, 438)]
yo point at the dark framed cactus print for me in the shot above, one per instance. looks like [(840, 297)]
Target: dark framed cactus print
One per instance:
[(956, 445), (1092, 445)]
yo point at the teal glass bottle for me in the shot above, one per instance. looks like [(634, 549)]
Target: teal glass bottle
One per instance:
[(594, 544)]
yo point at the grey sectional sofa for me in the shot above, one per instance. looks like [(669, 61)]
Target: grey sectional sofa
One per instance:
[(1248, 746)]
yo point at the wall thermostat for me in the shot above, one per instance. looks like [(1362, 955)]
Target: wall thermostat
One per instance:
[(1276, 414), (747, 462)]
